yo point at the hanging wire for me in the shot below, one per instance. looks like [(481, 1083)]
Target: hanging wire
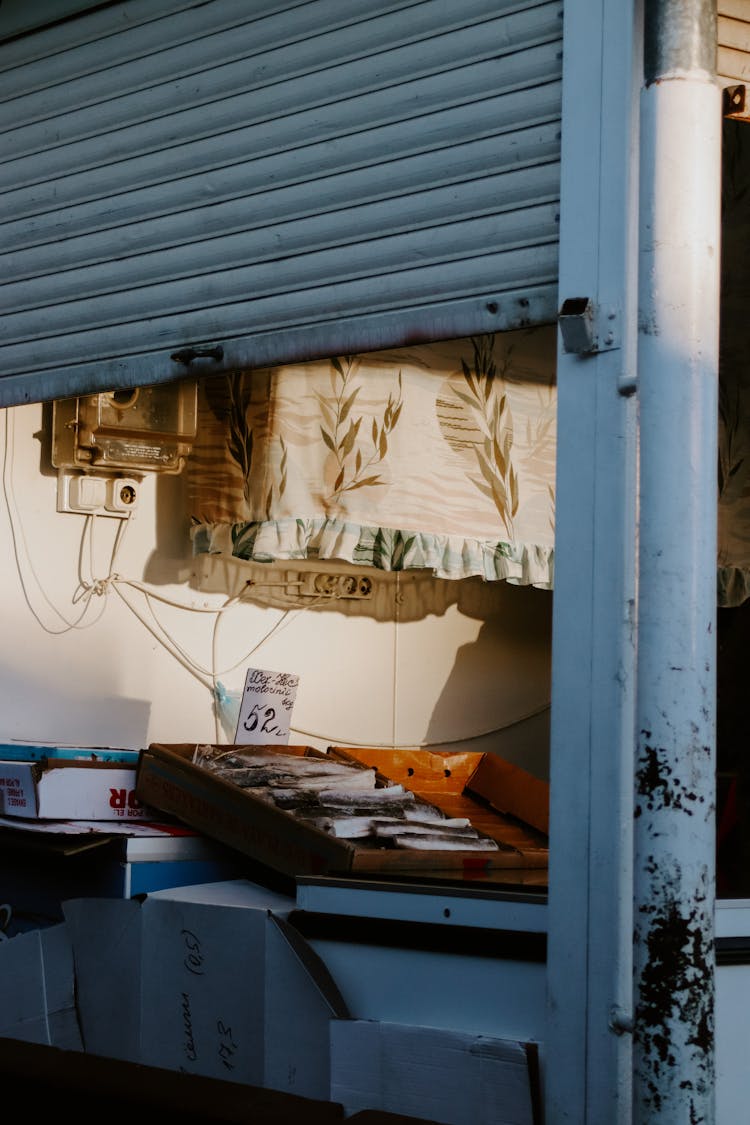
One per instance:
[(207, 676), (86, 589), (337, 741), (90, 587)]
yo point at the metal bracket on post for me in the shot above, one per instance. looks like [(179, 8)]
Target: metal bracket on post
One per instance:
[(587, 328), (735, 103), (620, 1021)]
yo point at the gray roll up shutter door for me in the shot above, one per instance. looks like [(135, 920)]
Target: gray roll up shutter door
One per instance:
[(270, 182)]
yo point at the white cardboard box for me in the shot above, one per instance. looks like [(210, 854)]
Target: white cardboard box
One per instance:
[(203, 978), (64, 789), (208, 979), (301, 999), (37, 1002), (445, 1076), (105, 934), (59, 988)]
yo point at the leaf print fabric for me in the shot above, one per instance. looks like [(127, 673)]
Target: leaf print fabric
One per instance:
[(439, 457)]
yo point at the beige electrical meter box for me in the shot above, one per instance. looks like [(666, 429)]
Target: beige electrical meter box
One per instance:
[(140, 429)]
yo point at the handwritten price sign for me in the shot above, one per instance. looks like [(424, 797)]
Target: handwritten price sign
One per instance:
[(266, 708)]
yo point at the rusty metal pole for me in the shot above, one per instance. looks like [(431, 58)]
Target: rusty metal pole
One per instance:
[(674, 862)]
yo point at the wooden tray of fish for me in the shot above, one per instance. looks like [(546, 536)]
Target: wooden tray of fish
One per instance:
[(303, 811)]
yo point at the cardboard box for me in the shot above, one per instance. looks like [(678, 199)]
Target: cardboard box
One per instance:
[(40, 870), (63, 788), (449, 1077), (40, 751), (37, 1002), (203, 979), (459, 782), (106, 938), (301, 998), (207, 980), (491, 793)]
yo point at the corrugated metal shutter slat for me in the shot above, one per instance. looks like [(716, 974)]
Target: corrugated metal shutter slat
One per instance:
[(369, 89), (311, 304), (363, 168), (274, 154), (479, 175), (130, 30), (108, 235), (256, 53), (278, 273)]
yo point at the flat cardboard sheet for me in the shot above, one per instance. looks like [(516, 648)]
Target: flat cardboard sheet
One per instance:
[(37, 991), (447, 1076)]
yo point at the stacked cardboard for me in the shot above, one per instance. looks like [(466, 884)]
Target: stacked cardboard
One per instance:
[(214, 981)]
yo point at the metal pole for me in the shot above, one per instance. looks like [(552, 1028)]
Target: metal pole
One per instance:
[(674, 861)]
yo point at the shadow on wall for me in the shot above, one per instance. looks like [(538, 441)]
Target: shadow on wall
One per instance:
[(171, 559), (394, 596), (44, 436), (498, 693), (42, 710)]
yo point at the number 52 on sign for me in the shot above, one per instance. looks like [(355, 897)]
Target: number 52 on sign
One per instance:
[(266, 709)]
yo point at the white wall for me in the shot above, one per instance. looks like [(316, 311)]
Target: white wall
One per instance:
[(442, 676)]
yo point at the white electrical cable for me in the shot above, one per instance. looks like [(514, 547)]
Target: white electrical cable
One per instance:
[(185, 664), (90, 587), (118, 582), (282, 622), (99, 587), (423, 745), (208, 677), (154, 596), (85, 591)]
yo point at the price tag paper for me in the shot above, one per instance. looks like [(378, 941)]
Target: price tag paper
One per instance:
[(266, 708)]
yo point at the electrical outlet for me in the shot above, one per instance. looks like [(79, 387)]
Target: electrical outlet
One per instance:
[(354, 586), (122, 495), (87, 494), (321, 585), (100, 494)]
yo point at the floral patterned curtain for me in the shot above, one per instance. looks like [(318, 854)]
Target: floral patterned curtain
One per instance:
[(439, 457)]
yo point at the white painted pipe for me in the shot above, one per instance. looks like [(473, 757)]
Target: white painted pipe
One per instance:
[(674, 862)]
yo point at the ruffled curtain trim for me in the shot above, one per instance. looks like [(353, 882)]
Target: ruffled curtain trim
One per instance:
[(450, 557)]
